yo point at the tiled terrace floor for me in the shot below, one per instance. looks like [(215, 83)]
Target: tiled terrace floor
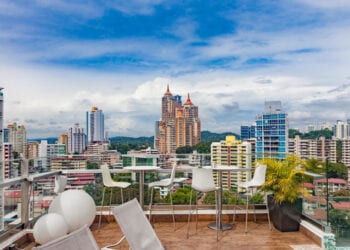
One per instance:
[(258, 237)]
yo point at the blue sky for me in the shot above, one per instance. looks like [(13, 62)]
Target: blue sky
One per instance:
[(59, 58)]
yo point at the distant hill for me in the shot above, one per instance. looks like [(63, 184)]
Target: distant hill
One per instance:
[(312, 134), (137, 140), (207, 136)]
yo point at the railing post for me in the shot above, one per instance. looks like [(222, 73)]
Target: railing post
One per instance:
[(24, 192), (328, 226)]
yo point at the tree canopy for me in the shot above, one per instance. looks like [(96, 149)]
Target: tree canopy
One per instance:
[(337, 170), (312, 134), (184, 150)]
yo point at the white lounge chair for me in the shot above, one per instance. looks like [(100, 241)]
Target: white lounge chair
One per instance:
[(136, 227), (81, 238)]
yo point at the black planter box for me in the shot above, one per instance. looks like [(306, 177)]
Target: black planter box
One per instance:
[(285, 216)]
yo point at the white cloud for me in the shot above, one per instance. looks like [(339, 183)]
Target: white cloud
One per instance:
[(83, 8), (306, 63), (333, 4), (10, 8), (135, 7), (184, 28)]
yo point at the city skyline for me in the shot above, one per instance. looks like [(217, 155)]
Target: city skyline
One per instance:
[(58, 58)]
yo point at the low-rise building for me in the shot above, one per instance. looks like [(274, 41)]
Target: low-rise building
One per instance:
[(334, 184), (68, 163)]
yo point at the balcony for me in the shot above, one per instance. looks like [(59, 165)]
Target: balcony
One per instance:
[(19, 219), (258, 237)]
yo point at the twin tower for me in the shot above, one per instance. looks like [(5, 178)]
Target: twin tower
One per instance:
[(179, 125)]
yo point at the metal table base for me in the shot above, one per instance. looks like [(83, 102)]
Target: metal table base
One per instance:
[(222, 227)]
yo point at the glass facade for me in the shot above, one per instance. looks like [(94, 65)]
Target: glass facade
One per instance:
[(271, 135), (247, 132)]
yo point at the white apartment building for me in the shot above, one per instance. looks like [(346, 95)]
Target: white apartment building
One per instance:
[(76, 140), (320, 148), (341, 130), (47, 152)]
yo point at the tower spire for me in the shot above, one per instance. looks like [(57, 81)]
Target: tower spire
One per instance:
[(167, 90), (188, 101)]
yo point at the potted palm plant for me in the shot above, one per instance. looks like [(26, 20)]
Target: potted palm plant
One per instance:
[(283, 183)]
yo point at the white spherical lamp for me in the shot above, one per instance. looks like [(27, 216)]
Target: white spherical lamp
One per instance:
[(77, 208), (49, 227)]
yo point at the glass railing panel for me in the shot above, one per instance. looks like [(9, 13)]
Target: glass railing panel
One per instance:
[(10, 192), (339, 218), (328, 206), (11, 206), (41, 196)]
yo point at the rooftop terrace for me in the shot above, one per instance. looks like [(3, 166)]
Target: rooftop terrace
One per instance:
[(258, 237), (39, 187)]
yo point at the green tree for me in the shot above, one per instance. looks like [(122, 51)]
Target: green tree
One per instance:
[(182, 196), (313, 165), (92, 165), (339, 218), (124, 147), (337, 170), (312, 134), (184, 150), (15, 155), (95, 191), (284, 178), (294, 132), (342, 192), (237, 200), (209, 197), (257, 198), (202, 147), (318, 133)]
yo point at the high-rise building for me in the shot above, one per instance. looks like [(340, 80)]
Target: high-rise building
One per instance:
[(341, 130), (247, 132), (96, 126), (232, 152), (76, 140), (6, 135), (18, 137), (1, 163), (7, 159), (272, 132), (179, 124), (32, 151), (63, 139)]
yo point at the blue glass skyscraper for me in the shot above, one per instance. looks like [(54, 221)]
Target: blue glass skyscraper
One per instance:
[(96, 128), (272, 132), (247, 132)]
